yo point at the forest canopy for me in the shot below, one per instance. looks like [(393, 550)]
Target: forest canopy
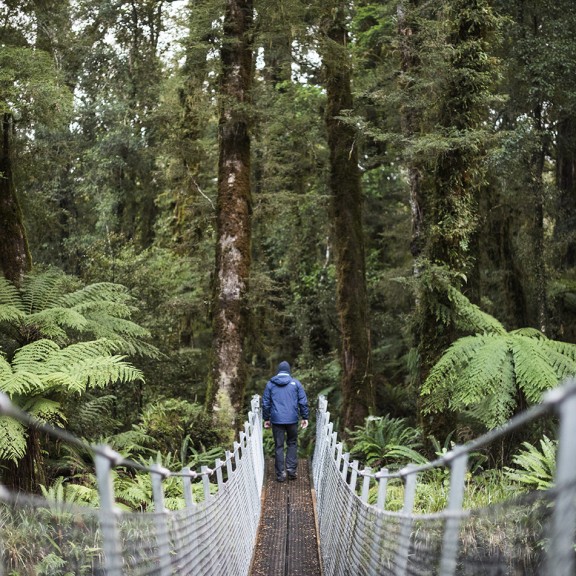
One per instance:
[(381, 193)]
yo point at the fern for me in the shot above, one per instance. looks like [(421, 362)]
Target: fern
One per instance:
[(471, 318), (13, 437), (48, 307), (535, 467), (95, 414), (483, 373), (9, 295), (42, 369), (383, 440), (40, 291)]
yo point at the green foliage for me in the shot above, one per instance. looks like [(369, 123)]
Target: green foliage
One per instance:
[(30, 87), (42, 325), (486, 373), (384, 440), (41, 370), (50, 305), (535, 467), (177, 427), (49, 540)]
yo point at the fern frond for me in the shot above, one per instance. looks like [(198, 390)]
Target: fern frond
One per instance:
[(11, 314), (482, 373), (127, 335), (22, 383), (13, 436), (36, 328), (9, 295), (469, 317), (535, 467), (80, 351), (534, 373), (95, 413), (497, 407), (58, 316), (136, 492), (5, 370), (42, 290), (98, 293), (29, 358), (130, 442), (97, 373), (84, 495), (445, 375)]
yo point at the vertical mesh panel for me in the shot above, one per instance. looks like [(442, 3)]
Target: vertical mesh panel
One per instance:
[(213, 537), (512, 538)]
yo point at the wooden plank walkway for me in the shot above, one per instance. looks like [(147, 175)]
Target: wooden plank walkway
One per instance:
[(287, 544)]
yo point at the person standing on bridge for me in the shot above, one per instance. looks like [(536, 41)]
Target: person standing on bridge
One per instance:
[(283, 403)]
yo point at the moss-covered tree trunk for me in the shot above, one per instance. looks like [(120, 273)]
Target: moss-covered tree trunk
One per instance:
[(233, 258), (15, 258), (410, 113), (346, 193), (536, 171), (565, 226), (456, 172)]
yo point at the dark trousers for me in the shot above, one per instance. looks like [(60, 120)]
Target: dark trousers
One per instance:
[(285, 433)]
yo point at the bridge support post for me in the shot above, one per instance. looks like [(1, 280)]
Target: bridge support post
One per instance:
[(410, 482), (560, 557), (382, 478), (458, 469), (162, 533), (205, 471), (103, 461)]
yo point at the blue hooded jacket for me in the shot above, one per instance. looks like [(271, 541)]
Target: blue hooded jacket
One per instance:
[(284, 399)]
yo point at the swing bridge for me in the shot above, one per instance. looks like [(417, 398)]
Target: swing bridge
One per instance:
[(334, 520)]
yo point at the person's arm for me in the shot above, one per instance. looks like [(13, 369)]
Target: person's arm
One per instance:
[(303, 406), (266, 402)]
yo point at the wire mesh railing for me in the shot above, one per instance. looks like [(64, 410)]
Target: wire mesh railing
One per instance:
[(531, 534), (214, 534)]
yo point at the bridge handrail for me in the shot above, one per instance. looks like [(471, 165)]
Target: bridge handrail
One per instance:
[(329, 452), (249, 450)]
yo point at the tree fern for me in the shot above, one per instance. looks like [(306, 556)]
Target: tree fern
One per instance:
[(41, 291), (41, 371), (469, 317), (12, 439), (450, 306), (9, 295), (50, 306), (483, 373)]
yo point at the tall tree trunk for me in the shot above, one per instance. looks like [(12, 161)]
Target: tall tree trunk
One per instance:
[(346, 191), (565, 226), (451, 213), (538, 258), (15, 258), (233, 258), (408, 35)]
